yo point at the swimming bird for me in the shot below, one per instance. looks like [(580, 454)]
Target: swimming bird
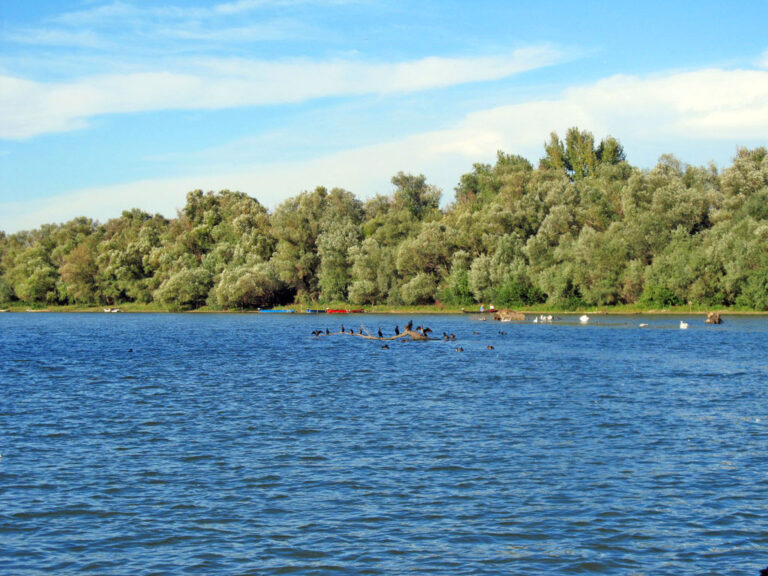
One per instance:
[(427, 330), (643, 325), (453, 336), (445, 336), (385, 347), (683, 325), (583, 318), (490, 347), (475, 332), (459, 349), (502, 333)]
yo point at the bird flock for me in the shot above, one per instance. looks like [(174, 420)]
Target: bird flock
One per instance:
[(425, 331)]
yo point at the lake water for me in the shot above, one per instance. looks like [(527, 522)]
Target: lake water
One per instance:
[(240, 444)]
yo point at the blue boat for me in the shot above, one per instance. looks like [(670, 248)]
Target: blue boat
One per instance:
[(271, 311), (315, 311)]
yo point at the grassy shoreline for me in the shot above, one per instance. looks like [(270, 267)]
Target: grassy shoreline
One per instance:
[(624, 310)]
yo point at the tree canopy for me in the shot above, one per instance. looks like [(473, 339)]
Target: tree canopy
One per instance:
[(583, 228)]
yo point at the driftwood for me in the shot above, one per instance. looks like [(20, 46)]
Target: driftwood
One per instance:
[(406, 333), (714, 318), (506, 315)]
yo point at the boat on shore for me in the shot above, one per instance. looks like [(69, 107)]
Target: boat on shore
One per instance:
[(338, 311), (272, 311), (314, 311)]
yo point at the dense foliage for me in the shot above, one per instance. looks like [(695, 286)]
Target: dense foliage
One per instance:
[(584, 228)]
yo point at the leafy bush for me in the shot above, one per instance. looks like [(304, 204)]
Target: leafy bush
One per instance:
[(662, 296)]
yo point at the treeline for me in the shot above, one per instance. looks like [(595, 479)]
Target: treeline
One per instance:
[(582, 228)]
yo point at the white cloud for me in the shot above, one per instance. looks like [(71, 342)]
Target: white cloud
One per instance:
[(718, 108), (31, 108)]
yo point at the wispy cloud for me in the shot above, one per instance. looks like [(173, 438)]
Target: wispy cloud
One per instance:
[(34, 108), (763, 60), (240, 6)]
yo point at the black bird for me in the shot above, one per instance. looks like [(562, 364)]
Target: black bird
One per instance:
[(342, 328), (361, 329), (385, 347), (490, 347), (409, 326), (327, 332), (380, 334), (130, 349), (459, 349), (502, 333), (453, 336), (427, 330), (445, 336), (397, 330)]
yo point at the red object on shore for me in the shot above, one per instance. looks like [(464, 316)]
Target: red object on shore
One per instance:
[(331, 311)]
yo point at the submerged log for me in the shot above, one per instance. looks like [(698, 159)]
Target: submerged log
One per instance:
[(506, 315), (406, 333), (714, 318)]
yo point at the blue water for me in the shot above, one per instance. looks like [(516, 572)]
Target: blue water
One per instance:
[(240, 444)]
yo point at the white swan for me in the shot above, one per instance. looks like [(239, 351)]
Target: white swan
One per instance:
[(643, 325), (584, 319), (683, 325)]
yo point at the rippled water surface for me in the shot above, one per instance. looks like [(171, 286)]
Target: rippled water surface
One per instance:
[(240, 444)]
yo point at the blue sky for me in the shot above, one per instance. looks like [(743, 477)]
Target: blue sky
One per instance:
[(106, 106)]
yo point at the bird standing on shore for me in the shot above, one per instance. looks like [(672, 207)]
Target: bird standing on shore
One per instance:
[(397, 330), (380, 334)]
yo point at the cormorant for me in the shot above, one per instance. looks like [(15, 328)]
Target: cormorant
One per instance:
[(380, 334), (327, 332), (397, 330), (361, 330), (342, 328), (445, 336), (409, 326), (385, 347), (427, 330)]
